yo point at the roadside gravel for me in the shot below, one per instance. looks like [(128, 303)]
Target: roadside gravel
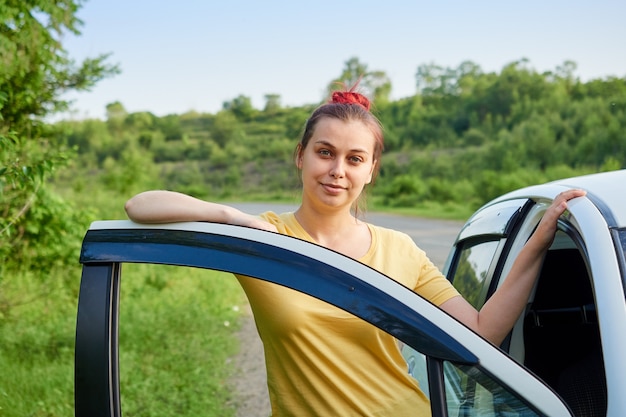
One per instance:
[(249, 381)]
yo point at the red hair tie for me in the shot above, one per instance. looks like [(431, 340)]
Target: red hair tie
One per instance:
[(350, 97)]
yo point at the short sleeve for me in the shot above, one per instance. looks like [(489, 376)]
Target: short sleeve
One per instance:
[(396, 255)]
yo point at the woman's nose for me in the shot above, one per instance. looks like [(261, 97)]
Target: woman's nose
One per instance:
[(337, 170)]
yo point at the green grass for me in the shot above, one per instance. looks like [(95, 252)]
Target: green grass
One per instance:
[(37, 347), (177, 340)]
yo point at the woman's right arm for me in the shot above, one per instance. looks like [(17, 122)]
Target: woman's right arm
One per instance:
[(169, 207)]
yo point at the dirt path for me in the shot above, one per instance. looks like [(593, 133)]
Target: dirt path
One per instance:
[(250, 380), (434, 236)]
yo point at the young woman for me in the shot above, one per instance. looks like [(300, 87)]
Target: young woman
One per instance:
[(320, 360)]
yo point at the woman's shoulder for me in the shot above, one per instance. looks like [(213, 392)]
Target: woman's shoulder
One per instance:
[(277, 218), (386, 234), (394, 243), (285, 223)]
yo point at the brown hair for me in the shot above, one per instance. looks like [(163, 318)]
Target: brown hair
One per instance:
[(346, 106)]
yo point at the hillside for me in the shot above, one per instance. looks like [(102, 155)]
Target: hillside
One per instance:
[(467, 137)]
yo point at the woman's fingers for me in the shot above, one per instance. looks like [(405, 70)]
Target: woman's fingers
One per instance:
[(547, 226), (560, 202)]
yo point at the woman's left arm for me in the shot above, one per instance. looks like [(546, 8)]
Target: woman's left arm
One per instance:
[(499, 314)]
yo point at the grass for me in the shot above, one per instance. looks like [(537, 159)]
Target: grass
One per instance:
[(37, 340), (177, 338)]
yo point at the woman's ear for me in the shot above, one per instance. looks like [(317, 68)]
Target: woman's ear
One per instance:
[(374, 166), (298, 156)]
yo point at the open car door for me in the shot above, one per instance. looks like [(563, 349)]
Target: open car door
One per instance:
[(462, 374)]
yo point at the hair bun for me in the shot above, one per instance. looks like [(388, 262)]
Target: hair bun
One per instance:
[(350, 97)]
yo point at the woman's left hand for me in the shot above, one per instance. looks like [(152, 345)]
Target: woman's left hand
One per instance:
[(546, 229)]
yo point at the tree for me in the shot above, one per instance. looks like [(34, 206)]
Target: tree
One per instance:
[(240, 106), (431, 79), (116, 113), (225, 128), (272, 103), (35, 72), (374, 84)]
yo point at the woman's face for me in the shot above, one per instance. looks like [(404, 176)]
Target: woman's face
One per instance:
[(337, 163)]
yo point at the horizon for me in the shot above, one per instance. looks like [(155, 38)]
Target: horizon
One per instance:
[(194, 56)]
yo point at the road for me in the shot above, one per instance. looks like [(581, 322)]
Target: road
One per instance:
[(251, 399)]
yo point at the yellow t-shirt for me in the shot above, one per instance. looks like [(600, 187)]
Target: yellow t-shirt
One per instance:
[(323, 361)]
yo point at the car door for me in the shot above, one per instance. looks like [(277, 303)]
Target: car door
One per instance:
[(463, 374), (568, 334)]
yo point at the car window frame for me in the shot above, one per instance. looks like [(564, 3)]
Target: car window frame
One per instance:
[(499, 223)]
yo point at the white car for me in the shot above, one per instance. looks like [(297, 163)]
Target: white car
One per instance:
[(563, 358), (573, 332)]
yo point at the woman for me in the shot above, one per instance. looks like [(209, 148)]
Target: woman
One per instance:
[(320, 360)]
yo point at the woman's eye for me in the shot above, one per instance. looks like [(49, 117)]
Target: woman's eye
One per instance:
[(324, 152), (356, 159)]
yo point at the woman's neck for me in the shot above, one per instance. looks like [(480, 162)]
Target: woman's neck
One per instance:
[(327, 228)]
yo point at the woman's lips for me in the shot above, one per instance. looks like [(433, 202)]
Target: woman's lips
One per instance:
[(333, 188)]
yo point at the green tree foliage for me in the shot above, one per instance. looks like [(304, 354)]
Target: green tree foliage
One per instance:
[(272, 103), (240, 106), (464, 138), (517, 125), (34, 74), (170, 127), (226, 127), (35, 68)]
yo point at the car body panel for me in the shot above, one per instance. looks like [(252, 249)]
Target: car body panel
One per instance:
[(606, 190)]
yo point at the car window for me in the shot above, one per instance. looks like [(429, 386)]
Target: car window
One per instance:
[(468, 390), (474, 259), (472, 272), (471, 392), (557, 337)]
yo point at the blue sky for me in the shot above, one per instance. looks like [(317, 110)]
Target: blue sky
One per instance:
[(188, 55)]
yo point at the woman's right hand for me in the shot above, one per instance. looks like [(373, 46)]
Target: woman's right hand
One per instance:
[(244, 219)]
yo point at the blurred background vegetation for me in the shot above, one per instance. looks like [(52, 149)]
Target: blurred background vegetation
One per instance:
[(465, 137)]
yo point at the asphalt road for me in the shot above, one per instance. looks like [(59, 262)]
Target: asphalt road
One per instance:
[(433, 236)]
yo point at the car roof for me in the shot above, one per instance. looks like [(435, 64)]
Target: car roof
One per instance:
[(607, 190)]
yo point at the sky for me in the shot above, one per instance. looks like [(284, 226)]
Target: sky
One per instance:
[(184, 56)]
